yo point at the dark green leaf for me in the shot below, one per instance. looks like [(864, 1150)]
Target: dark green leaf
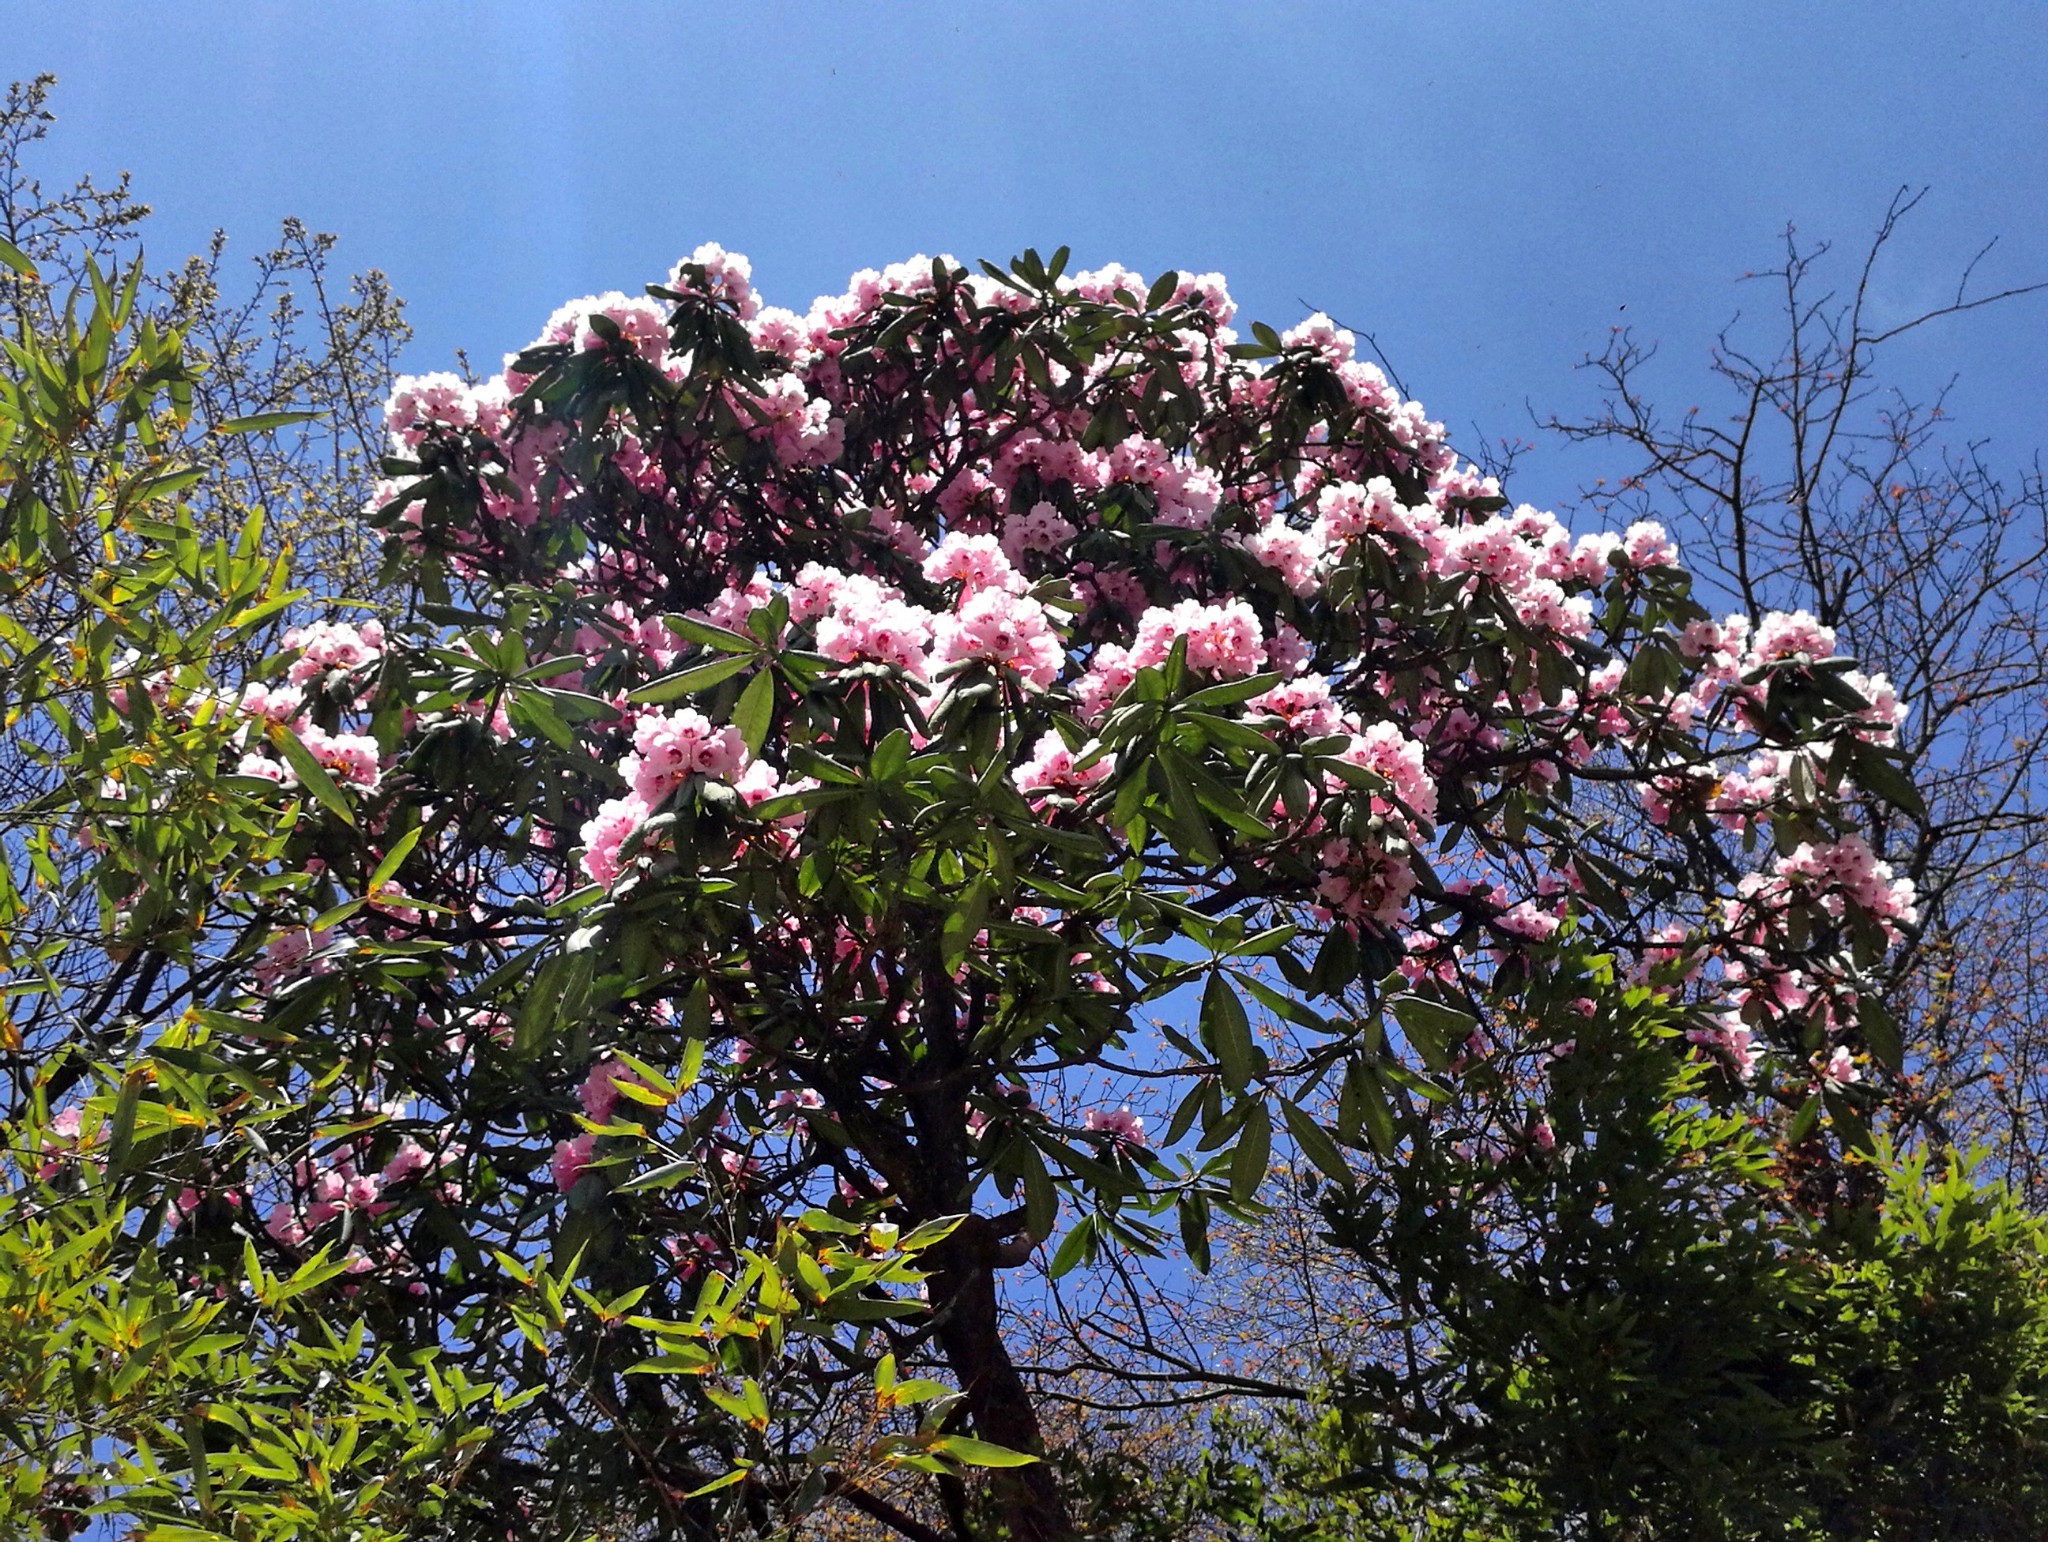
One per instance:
[(754, 714), (310, 774), (1316, 1144), (1432, 1028), (687, 682), (1228, 1032), (1253, 1157)]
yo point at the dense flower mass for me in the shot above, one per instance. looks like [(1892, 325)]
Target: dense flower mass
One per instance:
[(924, 485), (901, 696)]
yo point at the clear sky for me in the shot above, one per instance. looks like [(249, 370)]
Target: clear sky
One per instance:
[(1485, 187)]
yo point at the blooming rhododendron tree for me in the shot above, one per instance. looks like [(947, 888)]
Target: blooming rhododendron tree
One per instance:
[(820, 743)]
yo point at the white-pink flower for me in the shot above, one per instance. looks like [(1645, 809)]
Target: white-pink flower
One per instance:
[(351, 759), (570, 1158), (1223, 639), (1008, 630), (1051, 768), (1121, 1125), (671, 746)]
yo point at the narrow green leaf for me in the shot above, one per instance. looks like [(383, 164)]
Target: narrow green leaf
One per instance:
[(1886, 777), (1880, 1031), (666, 1176), (1316, 1145), (1362, 1088), (709, 636), (395, 857), (1432, 1028), (687, 682), (1253, 1157), (1194, 1230), (979, 1453), (1075, 1246), (262, 422), (121, 1129), (1228, 1032), (12, 256), (754, 714), (311, 775), (737, 1475), (1041, 1199)]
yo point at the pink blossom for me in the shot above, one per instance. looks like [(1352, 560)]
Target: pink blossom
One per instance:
[(975, 562), (1647, 545), (1362, 884), (1223, 639), (328, 645), (1790, 635), (1295, 555), (279, 704), (600, 1091), (1384, 750), (408, 1161), (1120, 1125), (420, 402), (1304, 706), (672, 746), (351, 759), (1008, 630), (1040, 528), (1525, 920), (868, 624), (1841, 1069), (727, 276), (570, 1159), (1051, 768), (1732, 1039), (289, 954), (604, 835)]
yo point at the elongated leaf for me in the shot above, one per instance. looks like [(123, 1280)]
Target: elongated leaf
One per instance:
[(395, 857), (714, 637), (263, 422), (1228, 1033), (1041, 1199), (1253, 1157), (310, 773), (1364, 1095), (1194, 1230), (979, 1453), (1880, 1031), (12, 256), (1884, 776), (687, 682), (1432, 1028), (1075, 1246), (1315, 1144), (666, 1176), (754, 714)]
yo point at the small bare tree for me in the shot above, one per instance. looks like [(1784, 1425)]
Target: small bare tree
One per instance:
[(1827, 488)]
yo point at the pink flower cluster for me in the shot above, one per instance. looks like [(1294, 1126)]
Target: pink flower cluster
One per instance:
[(1119, 1126), (1052, 768), (342, 1183), (332, 645)]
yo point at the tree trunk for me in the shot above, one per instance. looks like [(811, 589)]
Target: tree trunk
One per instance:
[(996, 1396)]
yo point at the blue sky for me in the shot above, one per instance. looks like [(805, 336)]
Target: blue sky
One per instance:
[(1485, 187)]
